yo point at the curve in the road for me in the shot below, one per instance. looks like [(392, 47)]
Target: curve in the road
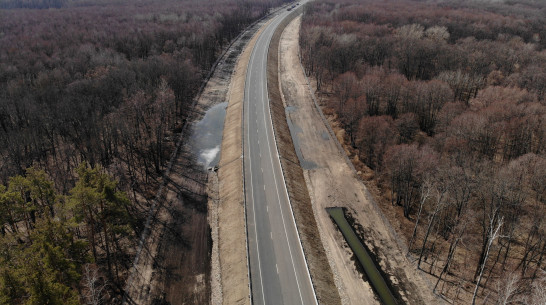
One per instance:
[(278, 269)]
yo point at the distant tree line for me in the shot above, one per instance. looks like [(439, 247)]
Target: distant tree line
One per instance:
[(38, 4), (107, 84), (445, 102)]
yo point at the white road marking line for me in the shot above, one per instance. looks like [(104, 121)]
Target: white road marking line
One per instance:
[(254, 210), (277, 267), (264, 97), (286, 193)]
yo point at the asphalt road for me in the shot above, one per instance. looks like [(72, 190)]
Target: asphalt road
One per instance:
[(278, 270)]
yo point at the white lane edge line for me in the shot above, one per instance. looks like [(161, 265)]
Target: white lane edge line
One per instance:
[(277, 189), (252, 196)]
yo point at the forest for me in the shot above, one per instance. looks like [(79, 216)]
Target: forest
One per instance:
[(92, 96), (442, 107)]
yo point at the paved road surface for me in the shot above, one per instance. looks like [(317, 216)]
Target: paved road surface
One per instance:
[(277, 266)]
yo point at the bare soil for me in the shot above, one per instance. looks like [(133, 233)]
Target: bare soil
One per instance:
[(213, 202), (182, 266), (171, 268), (334, 182)]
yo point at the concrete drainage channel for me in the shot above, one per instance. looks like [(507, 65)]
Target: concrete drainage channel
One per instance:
[(378, 283)]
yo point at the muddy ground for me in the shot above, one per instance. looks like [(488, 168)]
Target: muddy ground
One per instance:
[(181, 267), (332, 181)]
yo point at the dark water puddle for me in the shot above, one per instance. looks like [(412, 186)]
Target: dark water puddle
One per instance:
[(368, 263), (295, 130), (325, 136), (206, 136)]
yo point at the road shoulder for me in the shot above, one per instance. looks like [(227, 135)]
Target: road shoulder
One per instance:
[(232, 245)]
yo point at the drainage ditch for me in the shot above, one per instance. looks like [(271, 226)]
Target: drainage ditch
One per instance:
[(374, 275)]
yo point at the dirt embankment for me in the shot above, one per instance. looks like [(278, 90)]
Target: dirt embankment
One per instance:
[(232, 245), (170, 265), (320, 271), (332, 181)]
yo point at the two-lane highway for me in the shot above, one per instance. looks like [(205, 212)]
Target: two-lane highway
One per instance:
[(278, 269)]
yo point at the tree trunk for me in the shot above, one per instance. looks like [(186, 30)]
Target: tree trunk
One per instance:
[(429, 227), (539, 262), (91, 233), (450, 254), (432, 217), (106, 243), (493, 233), (424, 197), (493, 267)]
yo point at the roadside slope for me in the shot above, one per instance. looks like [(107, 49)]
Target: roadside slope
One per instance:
[(232, 245)]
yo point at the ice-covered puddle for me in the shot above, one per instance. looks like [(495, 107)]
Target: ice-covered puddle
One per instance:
[(206, 136), (210, 155)]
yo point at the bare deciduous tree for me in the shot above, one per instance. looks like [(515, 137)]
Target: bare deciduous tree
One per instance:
[(507, 287), (94, 285), (493, 233)]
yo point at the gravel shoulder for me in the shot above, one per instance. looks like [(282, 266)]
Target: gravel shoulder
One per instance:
[(331, 181)]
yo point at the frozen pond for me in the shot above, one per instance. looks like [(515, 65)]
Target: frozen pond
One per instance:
[(206, 136)]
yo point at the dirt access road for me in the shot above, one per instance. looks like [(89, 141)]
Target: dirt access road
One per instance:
[(332, 182)]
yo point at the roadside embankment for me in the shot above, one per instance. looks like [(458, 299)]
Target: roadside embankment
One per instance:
[(321, 274), (232, 245)]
